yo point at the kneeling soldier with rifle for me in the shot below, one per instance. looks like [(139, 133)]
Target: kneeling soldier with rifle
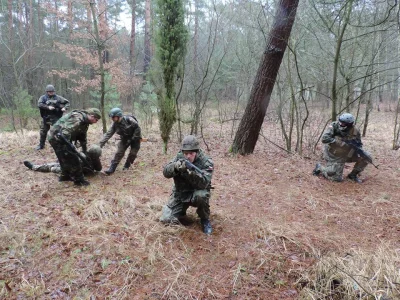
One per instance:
[(72, 128), (191, 170), (90, 163), (343, 144)]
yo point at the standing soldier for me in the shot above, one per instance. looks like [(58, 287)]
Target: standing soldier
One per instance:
[(338, 151), (192, 184), (51, 108), (91, 165), (128, 129), (72, 128)]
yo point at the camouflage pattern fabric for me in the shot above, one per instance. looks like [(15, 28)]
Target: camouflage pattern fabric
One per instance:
[(129, 131), (73, 126), (190, 188), (337, 153), (94, 165), (50, 117)]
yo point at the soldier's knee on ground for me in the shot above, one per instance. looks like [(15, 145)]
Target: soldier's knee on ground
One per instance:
[(167, 216)]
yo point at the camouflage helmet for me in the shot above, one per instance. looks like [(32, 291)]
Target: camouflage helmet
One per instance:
[(115, 112), (190, 143), (94, 151), (50, 88), (94, 112)]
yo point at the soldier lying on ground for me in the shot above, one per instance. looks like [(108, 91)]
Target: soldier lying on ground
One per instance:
[(91, 165)]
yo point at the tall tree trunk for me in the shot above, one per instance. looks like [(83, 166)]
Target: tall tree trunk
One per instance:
[(100, 48), (132, 40), (10, 25), (147, 44), (247, 134)]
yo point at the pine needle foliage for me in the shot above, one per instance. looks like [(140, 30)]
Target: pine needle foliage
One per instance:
[(171, 47)]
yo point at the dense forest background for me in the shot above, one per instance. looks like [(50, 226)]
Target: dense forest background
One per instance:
[(341, 56)]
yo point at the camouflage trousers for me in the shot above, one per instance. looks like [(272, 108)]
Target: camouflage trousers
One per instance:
[(179, 202), (335, 165), (70, 163), (47, 168), (45, 127), (123, 145)]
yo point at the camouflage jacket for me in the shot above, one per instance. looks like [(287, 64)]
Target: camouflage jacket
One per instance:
[(185, 182), (56, 101), (73, 126), (127, 128), (333, 138)]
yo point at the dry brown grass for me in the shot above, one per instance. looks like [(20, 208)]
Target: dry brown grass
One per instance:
[(279, 233)]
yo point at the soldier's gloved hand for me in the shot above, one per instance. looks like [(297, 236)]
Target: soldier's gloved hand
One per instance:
[(180, 166), (51, 108)]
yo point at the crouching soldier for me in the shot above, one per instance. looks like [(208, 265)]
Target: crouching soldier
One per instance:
[(127, 127), (341, 141), (70, 128), (90, 163), (192, 184)]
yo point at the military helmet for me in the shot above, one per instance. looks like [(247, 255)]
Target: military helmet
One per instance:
[(50, 88), (115, 112), (94, 112), (94, 151), (190, 143), (346, 120)]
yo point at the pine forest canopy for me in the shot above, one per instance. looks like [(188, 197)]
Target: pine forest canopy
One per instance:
[(341, 56)]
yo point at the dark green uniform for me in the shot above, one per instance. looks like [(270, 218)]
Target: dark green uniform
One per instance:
[(129, 131), (191, 188), (337, 153), (74, 127), (50, 117)]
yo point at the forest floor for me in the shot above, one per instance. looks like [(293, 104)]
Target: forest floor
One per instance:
[(273, 222)]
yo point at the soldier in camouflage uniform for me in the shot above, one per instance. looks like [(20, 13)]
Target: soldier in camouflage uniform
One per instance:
[(51, 108), (337, 152), (127, 127), (191, 187), (73, 126), (93, 163)]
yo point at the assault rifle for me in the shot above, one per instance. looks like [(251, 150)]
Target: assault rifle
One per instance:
[(192, 167), (357, 147), (71, 147)]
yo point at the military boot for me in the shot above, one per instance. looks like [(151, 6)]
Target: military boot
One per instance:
[(28, 164), (111, 169), (317, 169), (64, 178), (39, 147), (207, 228), (353, 176), (81, 182), (127, 165)]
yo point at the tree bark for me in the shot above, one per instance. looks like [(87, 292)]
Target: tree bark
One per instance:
[(247, 134), (147, 46)]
